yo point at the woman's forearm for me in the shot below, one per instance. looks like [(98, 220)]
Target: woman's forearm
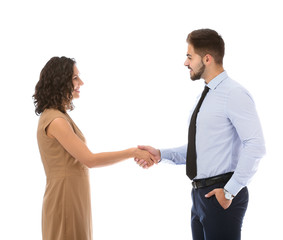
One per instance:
[(108, 158), (63, 132)]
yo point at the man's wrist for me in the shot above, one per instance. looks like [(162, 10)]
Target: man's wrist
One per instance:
[(228, 195), (159, 152), (233, 186)]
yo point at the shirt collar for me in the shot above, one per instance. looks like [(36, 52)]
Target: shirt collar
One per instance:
[(217, 80)]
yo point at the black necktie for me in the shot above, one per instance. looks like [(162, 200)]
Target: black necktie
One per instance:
[(191, 165)]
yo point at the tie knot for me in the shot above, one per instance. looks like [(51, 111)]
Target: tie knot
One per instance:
[(205, 91)]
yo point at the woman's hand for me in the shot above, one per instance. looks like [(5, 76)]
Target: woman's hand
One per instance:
[(147, 160), (155, 156)]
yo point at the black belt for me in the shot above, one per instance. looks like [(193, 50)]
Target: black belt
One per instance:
[(206, 182)]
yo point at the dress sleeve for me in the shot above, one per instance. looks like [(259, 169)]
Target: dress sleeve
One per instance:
[(49, 115)]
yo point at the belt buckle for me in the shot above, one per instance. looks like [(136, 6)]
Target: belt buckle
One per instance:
[(194, 185)]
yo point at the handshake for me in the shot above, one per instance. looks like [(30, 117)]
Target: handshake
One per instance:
[(146, 156)]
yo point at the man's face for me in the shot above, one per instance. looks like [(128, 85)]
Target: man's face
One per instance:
[(194, 63)]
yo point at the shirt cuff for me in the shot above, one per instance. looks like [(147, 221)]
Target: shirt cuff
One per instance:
[(233, 187), (164, 154)]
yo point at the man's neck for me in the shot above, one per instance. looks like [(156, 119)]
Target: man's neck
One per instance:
[(214, 73)]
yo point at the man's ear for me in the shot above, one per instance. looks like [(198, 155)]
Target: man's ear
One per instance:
[(207, 59)]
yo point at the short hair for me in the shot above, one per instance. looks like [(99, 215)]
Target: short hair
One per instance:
[(55, 86), (207, 41)]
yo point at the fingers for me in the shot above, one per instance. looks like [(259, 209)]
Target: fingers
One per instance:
[(142, 163), (149, 161), (210, 194), (220, 197), (145, 163), (155, 160), (154, 153), (144, 158)]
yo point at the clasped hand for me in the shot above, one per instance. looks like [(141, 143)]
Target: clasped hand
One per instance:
[(154, 155)]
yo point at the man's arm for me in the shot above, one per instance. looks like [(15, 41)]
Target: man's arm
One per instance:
[(243, 115), (172, 155), (175, 155)]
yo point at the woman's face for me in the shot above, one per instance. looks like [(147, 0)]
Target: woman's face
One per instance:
[(77, 82)]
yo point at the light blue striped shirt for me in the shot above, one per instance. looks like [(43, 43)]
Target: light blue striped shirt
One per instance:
[(228, 135)]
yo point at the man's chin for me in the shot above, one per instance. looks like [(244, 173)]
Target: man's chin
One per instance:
[(194, 78)]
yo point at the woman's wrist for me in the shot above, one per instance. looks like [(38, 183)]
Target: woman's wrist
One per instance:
[(132, 152)]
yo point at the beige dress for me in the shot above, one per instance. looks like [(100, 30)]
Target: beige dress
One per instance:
[(66, 212)]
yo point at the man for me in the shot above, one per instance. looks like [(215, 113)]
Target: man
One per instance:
[(225, 143)]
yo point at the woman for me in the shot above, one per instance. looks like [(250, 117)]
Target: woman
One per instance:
[(66, 158)]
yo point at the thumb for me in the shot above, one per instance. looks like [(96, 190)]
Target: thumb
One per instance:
[(152, 158), (210, 194), (142, 147)]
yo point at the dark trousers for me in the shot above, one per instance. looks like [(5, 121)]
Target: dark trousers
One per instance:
[(209, 221)]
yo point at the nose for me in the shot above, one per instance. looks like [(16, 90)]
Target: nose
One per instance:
[(187, 62), (81, 82)]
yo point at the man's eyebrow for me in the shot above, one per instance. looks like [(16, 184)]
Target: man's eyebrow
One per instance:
[(188, 55)]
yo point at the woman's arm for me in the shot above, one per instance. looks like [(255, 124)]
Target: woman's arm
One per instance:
[(61, 129)]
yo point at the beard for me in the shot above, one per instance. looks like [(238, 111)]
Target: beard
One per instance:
[(197, 75)]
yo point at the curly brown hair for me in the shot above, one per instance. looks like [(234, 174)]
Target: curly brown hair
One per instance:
[(55, 86)]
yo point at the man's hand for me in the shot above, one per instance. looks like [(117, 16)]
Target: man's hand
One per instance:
[(219, 194), (147, 158), (155, 155)]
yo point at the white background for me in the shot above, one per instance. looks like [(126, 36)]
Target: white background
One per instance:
[(137, 91)]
